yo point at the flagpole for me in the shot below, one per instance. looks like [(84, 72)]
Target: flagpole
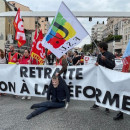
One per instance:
[(83, 28), (94, 43)]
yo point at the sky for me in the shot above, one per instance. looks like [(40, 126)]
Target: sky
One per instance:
[(79, 5)]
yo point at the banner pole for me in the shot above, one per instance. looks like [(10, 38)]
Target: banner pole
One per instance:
[(95, 44)]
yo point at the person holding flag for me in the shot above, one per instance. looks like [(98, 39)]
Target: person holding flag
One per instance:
[(62, 62), (107, 60), (125, 68)]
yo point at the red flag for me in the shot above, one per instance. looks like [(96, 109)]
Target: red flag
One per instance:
[(38, 51), (126, 58), (126, 63), (34, 41), (18, 25)]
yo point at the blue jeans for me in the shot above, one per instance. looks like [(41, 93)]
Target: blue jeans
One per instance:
[(44, 106)]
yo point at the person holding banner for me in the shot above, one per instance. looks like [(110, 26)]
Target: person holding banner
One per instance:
[(105, 59), (58, 91), (13, 56), (25, 59)]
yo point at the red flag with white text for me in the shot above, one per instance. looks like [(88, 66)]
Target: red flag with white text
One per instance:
[(34, 41), (38, 51), (18, 25)]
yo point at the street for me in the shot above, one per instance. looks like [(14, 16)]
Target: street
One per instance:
[(78, 116)]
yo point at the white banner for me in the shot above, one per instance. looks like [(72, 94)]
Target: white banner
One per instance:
[(108, 88)]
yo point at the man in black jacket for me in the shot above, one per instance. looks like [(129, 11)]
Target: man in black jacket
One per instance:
[(58, 91), (105, 59)]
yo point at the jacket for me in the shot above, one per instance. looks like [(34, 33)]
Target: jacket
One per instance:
[(109, 62), (12, 59), (24, 60), (60, 93)]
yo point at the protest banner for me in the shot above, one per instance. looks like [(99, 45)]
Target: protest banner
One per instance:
[(108, 88)]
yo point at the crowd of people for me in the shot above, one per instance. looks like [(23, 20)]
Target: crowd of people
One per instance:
[(13, 57), (57, 84)]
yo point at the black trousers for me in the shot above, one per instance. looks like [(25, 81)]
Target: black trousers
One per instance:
[(44, 106)]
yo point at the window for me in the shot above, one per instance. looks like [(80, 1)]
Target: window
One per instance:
[(126, 30), (129, 30), (129, 36), (126, 37)]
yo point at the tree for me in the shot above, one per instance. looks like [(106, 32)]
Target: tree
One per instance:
[(87, 48)]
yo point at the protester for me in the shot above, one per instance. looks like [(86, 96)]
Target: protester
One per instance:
[(105, 59), (51, 59), (63, 62), (82, 59), (2, 61), (25, 59), (13, 56), (58, 91), (76, 58), (69, 59)]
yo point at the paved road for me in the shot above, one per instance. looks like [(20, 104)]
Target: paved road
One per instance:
[(78, 116)]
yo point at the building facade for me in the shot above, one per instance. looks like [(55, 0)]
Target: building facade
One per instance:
[(115, 27), (97, 31), (6, 25), (7, 31)]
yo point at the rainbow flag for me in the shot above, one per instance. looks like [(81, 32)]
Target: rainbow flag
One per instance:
[(65, 32)]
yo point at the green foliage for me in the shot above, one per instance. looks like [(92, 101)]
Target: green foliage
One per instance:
[(87, 48), (112, 37)]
